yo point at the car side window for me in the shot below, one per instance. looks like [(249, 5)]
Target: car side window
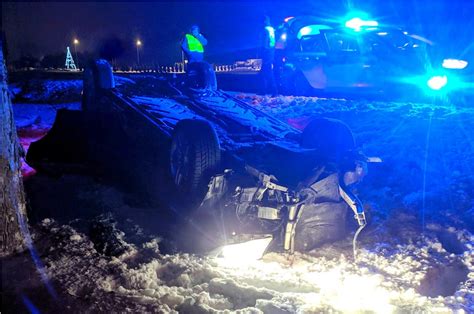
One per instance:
[(340, 42), (313, 44)]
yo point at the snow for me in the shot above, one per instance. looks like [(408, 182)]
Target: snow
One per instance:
[(46, 91), (380, 283), (416, 256)]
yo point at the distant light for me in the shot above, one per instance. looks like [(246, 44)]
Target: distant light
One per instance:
[(437, 82), (139, 43), (454, 64), (283, 36), (382, 33), (357, 23), (288, 18), (76, 41)]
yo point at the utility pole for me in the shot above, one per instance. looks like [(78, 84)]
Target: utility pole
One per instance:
[(76, 42), (138, 43)]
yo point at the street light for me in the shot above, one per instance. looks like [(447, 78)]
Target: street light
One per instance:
[(76, 42), (138, 43)]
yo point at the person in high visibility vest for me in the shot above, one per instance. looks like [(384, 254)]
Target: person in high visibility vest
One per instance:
[(268, 58), (193, 45)]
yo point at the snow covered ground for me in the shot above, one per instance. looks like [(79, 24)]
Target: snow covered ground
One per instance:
[(417, 255)]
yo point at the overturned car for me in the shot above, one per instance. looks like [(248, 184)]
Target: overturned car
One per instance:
[(225, 166)]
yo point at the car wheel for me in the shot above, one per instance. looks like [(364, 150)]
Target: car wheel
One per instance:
[(201, 75), (88, 90), (97, 78), (195, 157)]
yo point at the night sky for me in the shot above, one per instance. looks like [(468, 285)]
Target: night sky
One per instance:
[(40, 28)]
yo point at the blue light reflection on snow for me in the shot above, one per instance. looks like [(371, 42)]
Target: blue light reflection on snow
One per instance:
[(29, 305), (34, 254)]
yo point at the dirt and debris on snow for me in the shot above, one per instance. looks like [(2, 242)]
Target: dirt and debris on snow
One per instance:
[(106, 251)]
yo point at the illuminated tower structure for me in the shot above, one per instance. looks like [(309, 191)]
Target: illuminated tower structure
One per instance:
[(70, 61)]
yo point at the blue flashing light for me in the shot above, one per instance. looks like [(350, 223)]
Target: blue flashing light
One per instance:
[(454, 64), (356, 23), (437, 82)]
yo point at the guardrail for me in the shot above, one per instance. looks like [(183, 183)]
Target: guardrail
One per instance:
[(177, 68)]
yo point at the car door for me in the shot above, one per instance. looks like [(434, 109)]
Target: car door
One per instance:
[(309, 58), (346, 65)]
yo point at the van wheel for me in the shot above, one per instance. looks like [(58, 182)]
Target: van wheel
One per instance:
[(195, 157)]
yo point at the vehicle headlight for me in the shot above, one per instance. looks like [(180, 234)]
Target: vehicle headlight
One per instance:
[(437, 82), (241, 254), (454, 64)]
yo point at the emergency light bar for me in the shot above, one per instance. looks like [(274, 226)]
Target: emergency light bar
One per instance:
[(357, 23)]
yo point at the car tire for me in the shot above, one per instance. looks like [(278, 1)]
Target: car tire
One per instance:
[(97, 78), (201, 76), (89, 91), (195, 157)]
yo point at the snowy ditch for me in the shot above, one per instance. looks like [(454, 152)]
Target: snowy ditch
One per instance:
[(403, 266), (386, 279)]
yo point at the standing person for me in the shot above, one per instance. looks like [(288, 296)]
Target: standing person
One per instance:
[(193, 45), (199, 73), (268, 58)]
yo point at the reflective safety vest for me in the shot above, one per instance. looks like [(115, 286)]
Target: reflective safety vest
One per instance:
[(271, 36), (194, 45)]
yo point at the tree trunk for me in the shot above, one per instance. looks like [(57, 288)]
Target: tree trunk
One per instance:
[(12, 198)]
